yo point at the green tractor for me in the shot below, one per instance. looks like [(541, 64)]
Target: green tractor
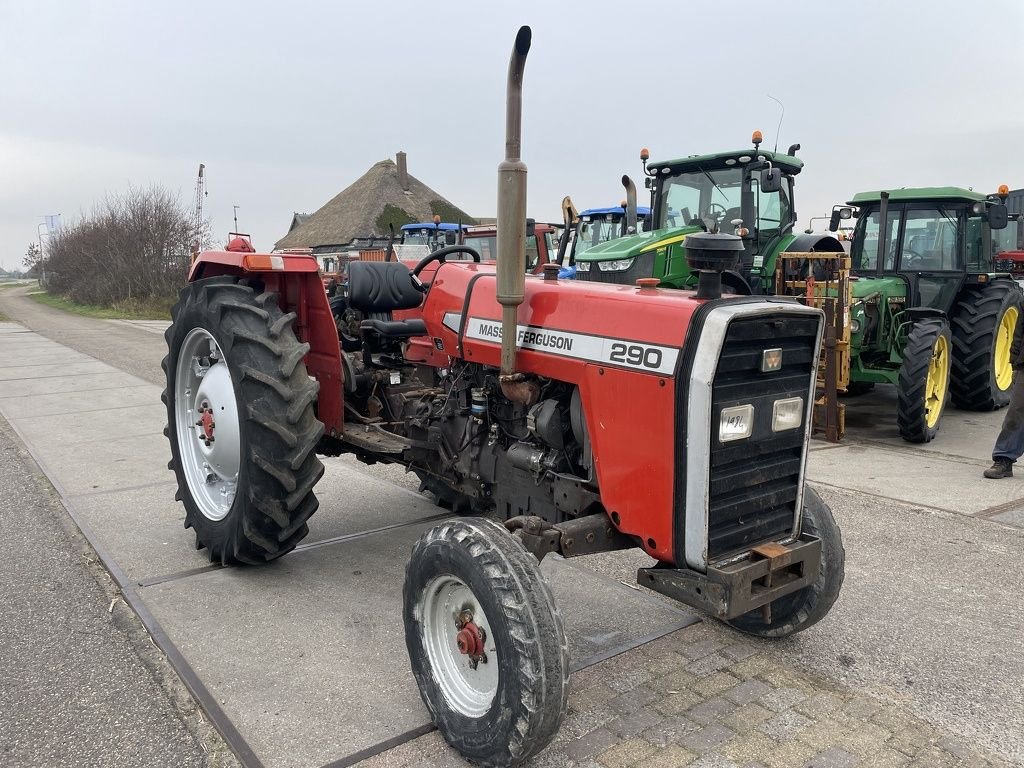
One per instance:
[(748, 192), (929, 314)]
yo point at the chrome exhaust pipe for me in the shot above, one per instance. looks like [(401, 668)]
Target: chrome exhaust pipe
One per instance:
[(512, 211)]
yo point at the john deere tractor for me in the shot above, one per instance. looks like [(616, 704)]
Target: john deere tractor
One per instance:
[(748, 192), (929, 313)]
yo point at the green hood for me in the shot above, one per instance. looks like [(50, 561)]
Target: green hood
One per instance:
[(633, 245), (888, 287)]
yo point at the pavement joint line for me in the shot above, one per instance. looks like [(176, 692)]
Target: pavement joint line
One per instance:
[(891, 498), (141, 486), (1009, 506), (66, 375), (153, 581), (204, 698), (422, 730), (85, 358), (954, 458), (92, 410), (76, 391)]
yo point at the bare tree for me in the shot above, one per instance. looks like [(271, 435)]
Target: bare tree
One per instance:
[(132, 246)]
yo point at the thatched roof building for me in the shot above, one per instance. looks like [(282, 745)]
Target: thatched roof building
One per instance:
[(385, 194)]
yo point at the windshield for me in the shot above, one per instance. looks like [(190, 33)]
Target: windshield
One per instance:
[(597, 230), (487, 247), (1004, 240), (864, 252), (417, 237), (712, 195)]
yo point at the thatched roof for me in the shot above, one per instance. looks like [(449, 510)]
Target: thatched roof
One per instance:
[(369, 204)]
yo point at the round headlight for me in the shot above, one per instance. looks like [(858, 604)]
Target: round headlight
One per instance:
[(855, 325)]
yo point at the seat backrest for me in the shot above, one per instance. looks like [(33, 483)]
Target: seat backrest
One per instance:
[(381, 286)]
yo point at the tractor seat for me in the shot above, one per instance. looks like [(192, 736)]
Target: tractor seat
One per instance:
[(381, 286), (395, 329)]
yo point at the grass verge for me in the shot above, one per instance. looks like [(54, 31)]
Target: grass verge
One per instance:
[(131, 309)]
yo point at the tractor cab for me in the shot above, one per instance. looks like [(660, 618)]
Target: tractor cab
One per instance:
[(748, 192), (599, 225), (930, 311), (433, 235), (541, 243)]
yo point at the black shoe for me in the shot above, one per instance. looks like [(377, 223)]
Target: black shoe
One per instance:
[(1000, 468)]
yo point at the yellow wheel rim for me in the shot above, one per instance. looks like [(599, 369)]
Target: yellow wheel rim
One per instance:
[(1001, 365), (937, 383)]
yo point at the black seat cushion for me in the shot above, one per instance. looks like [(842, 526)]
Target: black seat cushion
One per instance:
[(381, 286), (396, 329)]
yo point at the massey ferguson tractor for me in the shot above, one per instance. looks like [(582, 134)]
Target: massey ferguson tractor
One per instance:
[(557, 417)]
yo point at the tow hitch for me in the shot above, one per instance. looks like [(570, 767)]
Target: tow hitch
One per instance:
[(771, 571)]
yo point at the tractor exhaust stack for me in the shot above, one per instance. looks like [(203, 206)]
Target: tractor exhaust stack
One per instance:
[(512, 218), (631, 222)]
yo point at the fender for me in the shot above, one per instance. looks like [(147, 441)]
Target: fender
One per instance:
[(817, 243), (296, 279)]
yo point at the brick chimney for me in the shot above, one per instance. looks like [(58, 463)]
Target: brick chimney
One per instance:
[(403, 171)]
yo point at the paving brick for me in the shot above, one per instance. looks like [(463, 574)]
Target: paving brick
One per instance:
[(785, 726), (591, 744), (579, 722), (669, 730), (592, 696), (832, 758), (782, 699), (702, 648), (633, 700), (706, 665), (819, 705), (747, 718), (933, 757), (677, 703), (625, 753), (635, 722), (958, 749), (781, 677), (672, 756), (861, 707), (823, 733), (912, 740), (714, 684), (711, 710), (749, 748), (739, 651), (864, 738), (895, 719), (679, 680), (747, 692), (788, 755), (751, 667), (886, 758), (707, 738), (628, 680), (713, 761)]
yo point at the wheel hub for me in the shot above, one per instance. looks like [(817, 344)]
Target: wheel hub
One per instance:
[(206, 423), (470, 639)]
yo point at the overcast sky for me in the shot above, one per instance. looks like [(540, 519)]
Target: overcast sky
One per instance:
[(288, 102)]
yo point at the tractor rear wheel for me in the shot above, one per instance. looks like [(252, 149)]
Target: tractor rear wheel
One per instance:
[(486, 642), (240, 421), (923, 386), (796, 612), (984, 319)]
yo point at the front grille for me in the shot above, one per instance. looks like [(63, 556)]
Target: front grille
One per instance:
[(643, 266), (754, 481)]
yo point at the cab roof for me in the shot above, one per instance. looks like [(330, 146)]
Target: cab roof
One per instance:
[(919, 193), (443, 226), (789, 163), (641, 210)]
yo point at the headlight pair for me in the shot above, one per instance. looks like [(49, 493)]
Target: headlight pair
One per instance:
[(737, 421)]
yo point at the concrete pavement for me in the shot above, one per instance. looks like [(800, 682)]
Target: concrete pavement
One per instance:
[(925, 631)]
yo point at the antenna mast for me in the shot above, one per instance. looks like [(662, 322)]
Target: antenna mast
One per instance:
[(197, 213), (778, 128)]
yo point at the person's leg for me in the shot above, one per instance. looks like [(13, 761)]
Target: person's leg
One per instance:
[(1010, 443)]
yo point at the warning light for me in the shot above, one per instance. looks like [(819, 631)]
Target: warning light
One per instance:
[(645, 154), (1004, 191), (757, 138)]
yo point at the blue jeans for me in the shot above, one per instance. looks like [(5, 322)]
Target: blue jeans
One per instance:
[(1010, 443)]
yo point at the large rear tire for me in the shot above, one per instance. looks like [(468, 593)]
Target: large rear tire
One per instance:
[(923, 387), (240, 421), (806, 607), (983, 321), (470, 584)]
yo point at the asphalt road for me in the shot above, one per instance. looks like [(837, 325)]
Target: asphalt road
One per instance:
[(928, 619), (80, 684)]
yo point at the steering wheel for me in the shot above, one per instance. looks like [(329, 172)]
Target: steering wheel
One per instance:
[(911, 258), (711, 210), (441, 254)]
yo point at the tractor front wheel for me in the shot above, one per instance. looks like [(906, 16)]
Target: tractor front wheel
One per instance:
[(983, 323), (923, 386), (486, 642), (798, 611), (240, 421)]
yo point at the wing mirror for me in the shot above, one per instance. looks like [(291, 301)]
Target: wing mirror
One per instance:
[(771, 180), (839, 213), (997, 216)]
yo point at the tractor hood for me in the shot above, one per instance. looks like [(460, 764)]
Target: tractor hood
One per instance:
[(886, 287), (632, 245)]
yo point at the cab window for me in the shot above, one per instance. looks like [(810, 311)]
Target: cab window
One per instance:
[(864, 253), (929, 240)]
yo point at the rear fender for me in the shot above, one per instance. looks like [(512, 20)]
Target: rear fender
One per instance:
[(296, 279)]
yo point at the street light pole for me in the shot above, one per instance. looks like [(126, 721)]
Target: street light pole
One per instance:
[(42, 266)]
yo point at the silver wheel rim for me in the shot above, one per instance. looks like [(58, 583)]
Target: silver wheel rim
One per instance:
[(466, 690), (206, 421)]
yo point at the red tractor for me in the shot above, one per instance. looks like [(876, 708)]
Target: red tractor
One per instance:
[(551, 416)]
